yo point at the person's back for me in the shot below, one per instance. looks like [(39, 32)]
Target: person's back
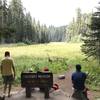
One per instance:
[(8, 72), (7, 65), (78, 78)]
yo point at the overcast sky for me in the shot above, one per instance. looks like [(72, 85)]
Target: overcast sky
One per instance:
[(57, 12)]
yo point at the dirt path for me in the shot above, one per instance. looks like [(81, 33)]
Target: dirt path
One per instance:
[(66, 86), (64, 93)]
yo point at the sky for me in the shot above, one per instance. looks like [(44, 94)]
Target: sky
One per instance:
[(57, 12)]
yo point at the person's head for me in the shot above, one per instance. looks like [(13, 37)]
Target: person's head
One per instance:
[(78, 67), (46, 69), (7, 54)]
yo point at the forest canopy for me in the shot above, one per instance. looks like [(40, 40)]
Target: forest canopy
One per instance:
[(19, 26)]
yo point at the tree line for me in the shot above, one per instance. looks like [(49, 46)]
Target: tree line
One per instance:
[(78, 27), (17, 25), (86, 28)]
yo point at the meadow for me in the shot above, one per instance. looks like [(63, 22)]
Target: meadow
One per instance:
[(56, 56)]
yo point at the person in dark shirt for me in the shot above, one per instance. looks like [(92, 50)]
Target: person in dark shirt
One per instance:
[(78, 80)]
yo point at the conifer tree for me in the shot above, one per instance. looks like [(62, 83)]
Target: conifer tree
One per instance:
[(91, 46)]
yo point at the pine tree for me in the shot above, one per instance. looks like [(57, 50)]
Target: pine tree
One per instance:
[(4, 28), (17, 13), (0, 14), (76, 29), (91, 46), (28, 31), (0, 20)]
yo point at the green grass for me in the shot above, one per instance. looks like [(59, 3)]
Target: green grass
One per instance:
[(39, 54), (43, 50), (62, 55), (29, 56)]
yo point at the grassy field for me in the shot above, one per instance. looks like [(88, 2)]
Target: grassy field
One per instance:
[(43, 50), (57, 56), (41, 55)]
